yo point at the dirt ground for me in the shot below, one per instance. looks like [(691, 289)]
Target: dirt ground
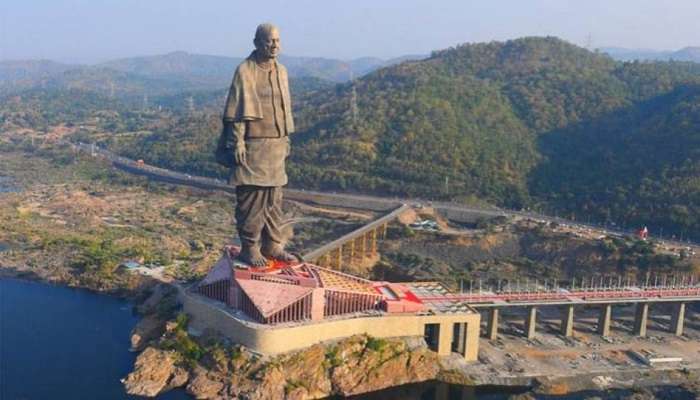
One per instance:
[(552, 355), (59, 209)]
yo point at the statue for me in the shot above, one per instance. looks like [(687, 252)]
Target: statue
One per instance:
[(255, 144)]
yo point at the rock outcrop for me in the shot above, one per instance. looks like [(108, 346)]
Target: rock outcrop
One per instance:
[(371, 364), (155, 372), (148, 328), (354, 365), (203, 385)]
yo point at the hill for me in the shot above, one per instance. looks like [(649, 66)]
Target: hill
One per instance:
[(170, 73), (691, 54), (533, 122), (22, 74), (208, 72), (217, 70)]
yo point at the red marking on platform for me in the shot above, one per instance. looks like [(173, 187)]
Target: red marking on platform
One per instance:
[(410, 296)]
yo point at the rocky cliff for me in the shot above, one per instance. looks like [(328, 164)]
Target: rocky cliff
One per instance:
[(354, 365)]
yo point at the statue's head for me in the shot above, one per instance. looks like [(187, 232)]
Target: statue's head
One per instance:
[(267, 41)]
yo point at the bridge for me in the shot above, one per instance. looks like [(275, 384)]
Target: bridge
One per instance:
[(601, 293), (356, 245)]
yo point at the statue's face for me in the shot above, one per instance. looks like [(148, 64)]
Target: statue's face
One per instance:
[(268, 45)]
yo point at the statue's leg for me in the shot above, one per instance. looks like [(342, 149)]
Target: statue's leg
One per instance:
[(250, 220), (272, 237)]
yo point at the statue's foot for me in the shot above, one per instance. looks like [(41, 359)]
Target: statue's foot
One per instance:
[(252, 257), (277, 252)]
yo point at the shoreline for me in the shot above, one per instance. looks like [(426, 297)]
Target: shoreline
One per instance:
[(32, 276)]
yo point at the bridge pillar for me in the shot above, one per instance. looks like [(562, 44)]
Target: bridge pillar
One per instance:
[(459, 337), (640, 319), (492, 324), (374, 242), (363, 242), (340, 257), (352, 251), (471, 344), (567, 321), (531, 322), (445, 340), (604, 320), (677, 319)]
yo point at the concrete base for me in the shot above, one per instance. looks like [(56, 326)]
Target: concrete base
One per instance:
[(531, 322), (567, 321), (604, 320), (640, 319), (492, 324), (271, 339), (677, 319)]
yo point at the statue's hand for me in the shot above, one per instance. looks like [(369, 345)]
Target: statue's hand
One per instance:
[(239, 153)]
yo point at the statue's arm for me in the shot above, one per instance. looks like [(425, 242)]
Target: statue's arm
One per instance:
[(238, 133)]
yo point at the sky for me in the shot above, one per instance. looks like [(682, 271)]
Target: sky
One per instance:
[(90, 31)]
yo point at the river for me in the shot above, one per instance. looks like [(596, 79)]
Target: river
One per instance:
[(63, 343)]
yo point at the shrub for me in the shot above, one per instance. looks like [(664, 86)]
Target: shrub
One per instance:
[(376, 344)]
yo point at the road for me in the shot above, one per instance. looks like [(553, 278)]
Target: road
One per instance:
[(349, 200)]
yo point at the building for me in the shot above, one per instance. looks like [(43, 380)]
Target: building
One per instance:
[(284, 307)]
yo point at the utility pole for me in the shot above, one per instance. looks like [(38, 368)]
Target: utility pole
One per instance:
[(354, 110), (190, 104)]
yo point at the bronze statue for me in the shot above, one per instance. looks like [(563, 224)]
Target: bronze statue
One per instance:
[(255, 143)]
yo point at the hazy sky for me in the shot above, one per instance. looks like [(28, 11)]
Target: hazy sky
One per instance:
[(97, 30)]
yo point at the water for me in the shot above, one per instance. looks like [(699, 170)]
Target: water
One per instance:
[(7, 185), (440, 391), (61, 343)]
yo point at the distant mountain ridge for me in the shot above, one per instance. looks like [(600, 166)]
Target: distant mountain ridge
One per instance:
[(691, 54), (30, 69), (183, 64), (181, 70)]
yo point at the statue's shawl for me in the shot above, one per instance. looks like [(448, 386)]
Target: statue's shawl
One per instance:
[(243, 104)]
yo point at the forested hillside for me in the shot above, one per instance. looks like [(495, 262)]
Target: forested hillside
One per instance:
[(533, 122)]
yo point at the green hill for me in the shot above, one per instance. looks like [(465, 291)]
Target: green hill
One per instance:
[(533, 122)]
